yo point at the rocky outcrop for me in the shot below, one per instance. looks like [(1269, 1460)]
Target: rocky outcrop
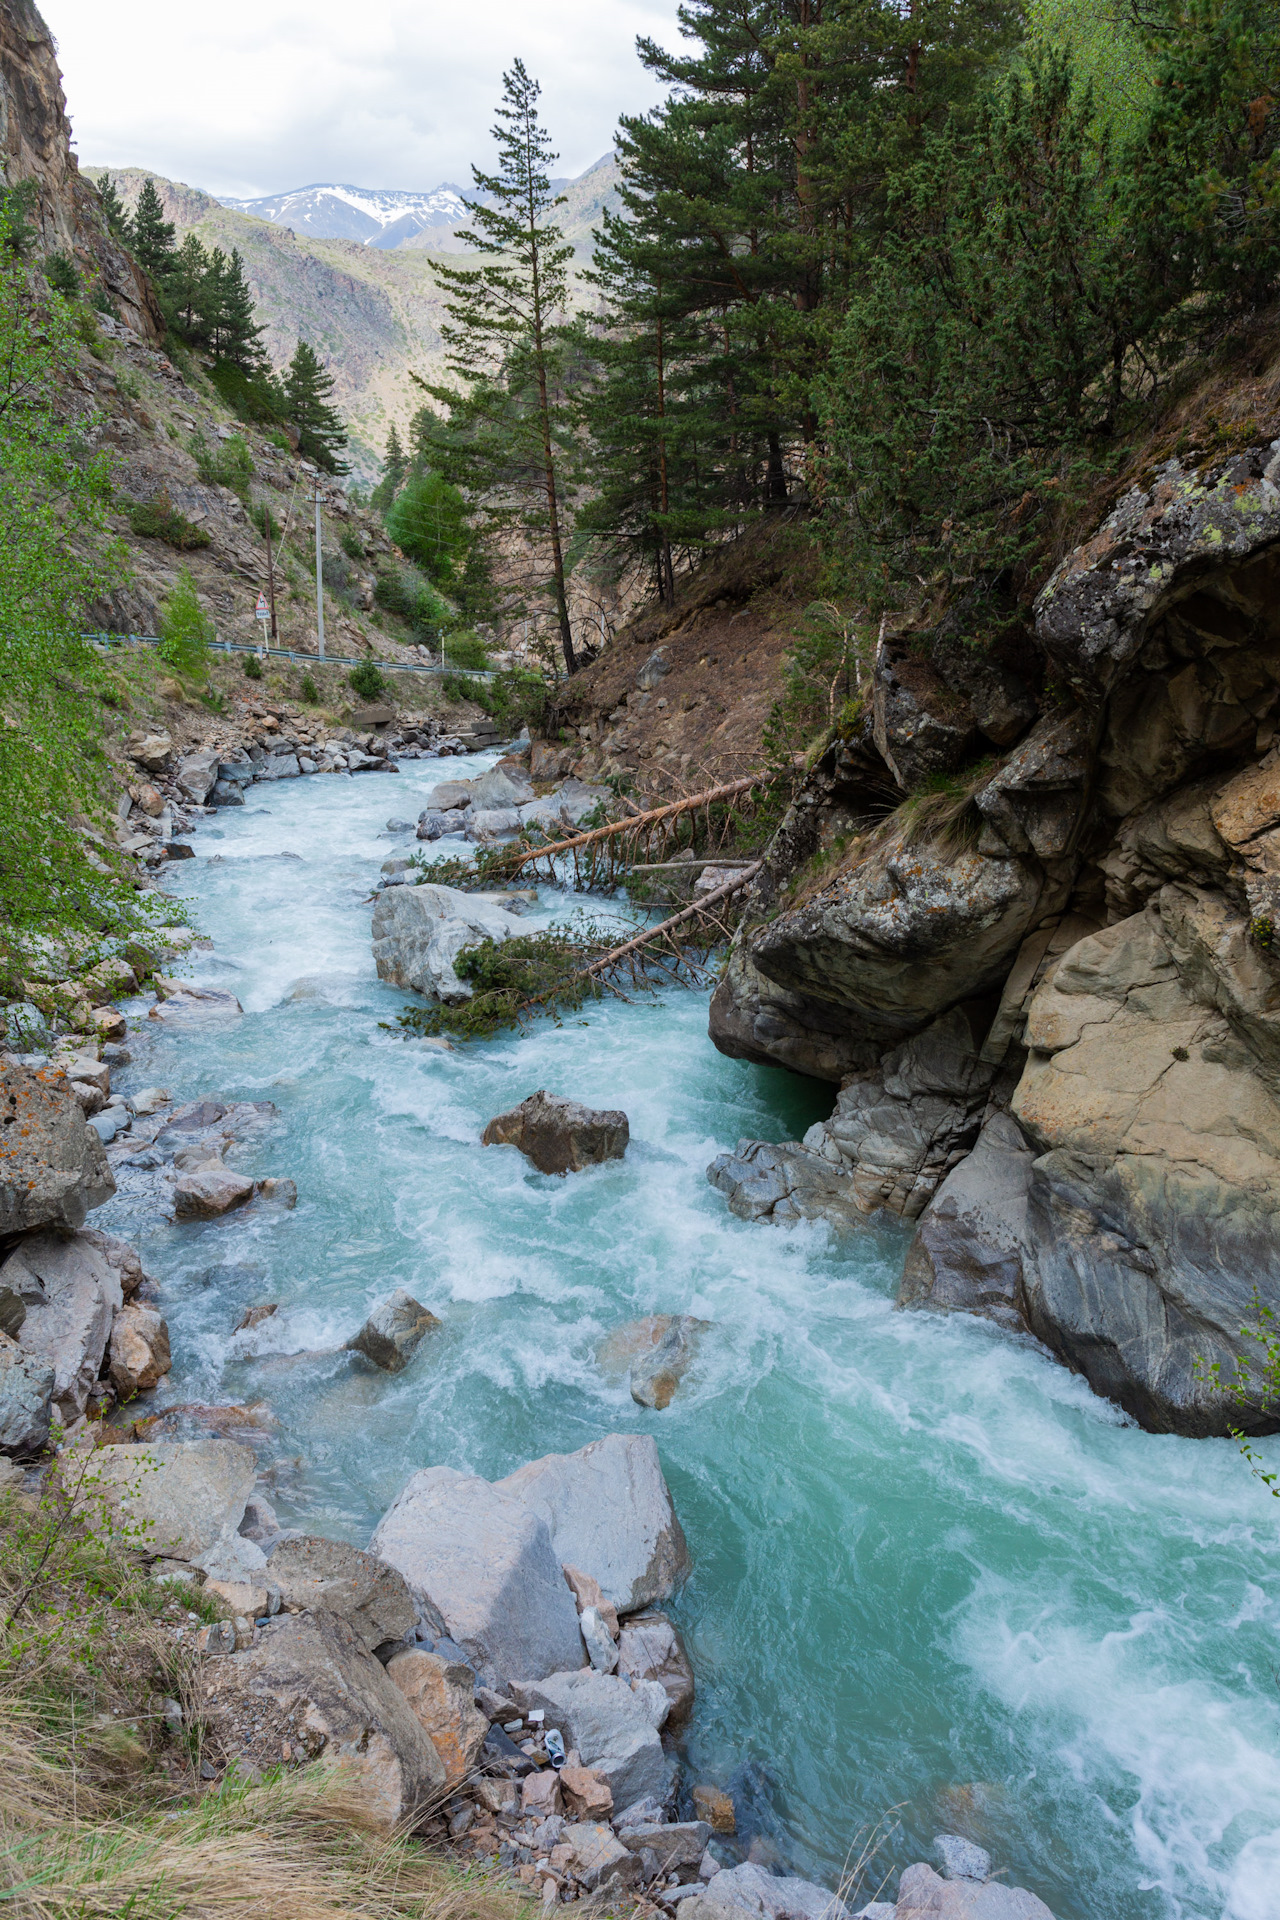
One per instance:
[(309, 1690), (1064, 972), (35, 137), (559, 1135), (52, 1165)]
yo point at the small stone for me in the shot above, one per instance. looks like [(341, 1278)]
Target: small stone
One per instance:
[(393, 1332), (641, 1813), (961, 1859), (714, 1806), (150, 1100), (586, 1795), (283, 1192), (708, 1866), (495, 1706), (497, 1796), (218, 1637), (540, 1793), (109, 1023), (461, 1821)]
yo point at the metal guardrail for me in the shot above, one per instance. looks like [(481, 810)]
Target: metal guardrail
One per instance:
[(287, 653)]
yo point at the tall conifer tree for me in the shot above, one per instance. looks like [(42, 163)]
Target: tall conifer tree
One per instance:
[(306, 390), (152, 234), (508, 440)]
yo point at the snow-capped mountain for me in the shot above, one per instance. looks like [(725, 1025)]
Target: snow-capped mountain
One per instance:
[(376, 216)]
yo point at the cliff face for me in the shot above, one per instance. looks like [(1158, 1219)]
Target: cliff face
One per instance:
[(35, 145), (1051, 996)]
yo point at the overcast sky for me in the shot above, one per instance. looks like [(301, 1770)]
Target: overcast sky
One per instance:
[(253, 96)]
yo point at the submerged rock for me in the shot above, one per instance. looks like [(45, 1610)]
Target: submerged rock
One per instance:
[(393, 1332), (558, 1135), (786, 1183), (657, 1372), (210, 1190)]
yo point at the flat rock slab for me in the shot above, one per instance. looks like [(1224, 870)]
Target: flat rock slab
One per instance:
[(309, 1690), (748, 1889), (558, 1135), (677, 1844), (608, 1725), (173, 1499), (315, 1575), (481, 1567), (393, 1332), (53, 1167), (608, 1510), (924, 1895)]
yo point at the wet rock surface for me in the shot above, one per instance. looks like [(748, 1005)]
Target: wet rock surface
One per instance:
[(559, 1135)]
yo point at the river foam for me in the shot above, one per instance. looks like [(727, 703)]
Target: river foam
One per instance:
[(933, 1572)]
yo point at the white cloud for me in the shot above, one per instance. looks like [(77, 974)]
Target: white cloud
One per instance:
[(254, 96)]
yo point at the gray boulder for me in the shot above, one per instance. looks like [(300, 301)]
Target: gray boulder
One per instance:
[(489, 822), (26, 1399), (608, 1510), (434, 826), (53, 1167), (597, 1857), (500, 788), (449, 796), (608, 1725), (311, 1690), (558, 1135), (481, 1567), (676, 1843), (315, 1575), (785, 1183), (71, 1293), (923, 1895), (418, 933), (650, 1648), (197, 773), (184, 1501), (961, 1859), (393, 1332), (967, 1253), (748, 1889)]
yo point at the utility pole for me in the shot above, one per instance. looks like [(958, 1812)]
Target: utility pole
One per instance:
[(271, 578), (319, 577)]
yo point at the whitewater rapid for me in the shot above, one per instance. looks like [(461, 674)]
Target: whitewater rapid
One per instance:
[(933, 1573)]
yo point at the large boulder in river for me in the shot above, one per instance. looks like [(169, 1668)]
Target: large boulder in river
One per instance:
[(311, 1690), (558, 1135), (393, 1332), (481, 1567), (500, 788), (418, 933), (53, 1166), (72, 1293), (609, 1512), (611, 1726)]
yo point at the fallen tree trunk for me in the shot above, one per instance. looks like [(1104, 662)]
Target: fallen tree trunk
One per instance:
[(711, 899), (639, 821)]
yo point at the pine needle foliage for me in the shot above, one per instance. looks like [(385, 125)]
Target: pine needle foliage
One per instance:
[(508, 437)]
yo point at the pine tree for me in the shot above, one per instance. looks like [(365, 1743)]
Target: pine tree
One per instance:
[(240, 338), (114, 211), (152, 234), (508, 440), (306, 390), (394, 467), (185, 284)]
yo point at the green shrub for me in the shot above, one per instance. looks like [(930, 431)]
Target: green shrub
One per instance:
[(229, 464), (60, 272), (351, 544), (157, 520), (185, 629), (466, 650), (309, 690), (403, 590), (261, 515), (253, 397), (513, 699), (429, 520), (366, 680), (252, 666)]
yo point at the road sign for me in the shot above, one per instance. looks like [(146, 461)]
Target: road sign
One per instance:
[(262, 611)]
